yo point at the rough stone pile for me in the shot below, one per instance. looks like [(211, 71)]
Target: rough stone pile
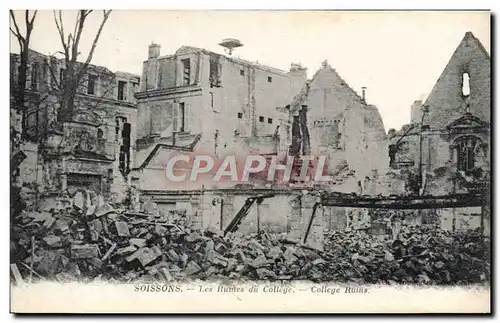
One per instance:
[(420, 255), (75, 242)]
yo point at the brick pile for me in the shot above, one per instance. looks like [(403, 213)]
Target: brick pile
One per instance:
[(76, 241)]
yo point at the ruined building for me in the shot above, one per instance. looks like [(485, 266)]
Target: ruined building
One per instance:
[(446, 147), (341, 125), (200, 102), (95, 148), (195, 102)]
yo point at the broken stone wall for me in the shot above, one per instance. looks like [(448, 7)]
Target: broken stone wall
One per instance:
[(161, 117), (119, 179), (282, 214), (30, 169), (245, 98), (335, 218), (220, 209), (342, 126), (439, 158), (416, 112), (90, 137), (31, 175), (461, 219), (446, 101)]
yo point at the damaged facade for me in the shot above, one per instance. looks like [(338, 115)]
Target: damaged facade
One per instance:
[(94, 149), (196, 102), (341, 125), (446, 147), (211, 103)]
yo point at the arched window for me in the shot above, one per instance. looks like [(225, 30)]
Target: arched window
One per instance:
[(100, 134), (467, 152), (465, 84), (34, 76)]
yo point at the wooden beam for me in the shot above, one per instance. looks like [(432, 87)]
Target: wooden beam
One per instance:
[(403, 202), (315, 208)]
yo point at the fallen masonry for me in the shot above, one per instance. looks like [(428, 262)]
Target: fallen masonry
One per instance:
[(71, 243)]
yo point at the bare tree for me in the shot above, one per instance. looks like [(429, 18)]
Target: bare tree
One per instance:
[(24, 44), (74, 70)]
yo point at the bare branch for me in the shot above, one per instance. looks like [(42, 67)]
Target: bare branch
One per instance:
[(60, 29), (106, 14), (29, 26), (24, 41), (17, 33), (76, 24), (76, 42), (33, 18), (19, 37), (75, 71), (27, 16)]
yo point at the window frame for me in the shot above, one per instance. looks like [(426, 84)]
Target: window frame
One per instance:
[(186, 71), (123, 91), (35, 77), (466, 152), (93, 78)]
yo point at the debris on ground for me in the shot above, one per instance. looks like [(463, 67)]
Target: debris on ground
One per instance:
[(72, 242)]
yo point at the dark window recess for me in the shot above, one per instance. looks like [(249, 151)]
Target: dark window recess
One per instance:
[(182, 116), (242, 72), (100, 134), (261, 119), (18, 72), (269, 79), (467, 153), (62, 77), (120, 121), (214, 73), (240, 115), (34, 76), (87, 181), (270, 120), (211, 100), (186, 65), (91, 84), (122, 94), (124, 165)]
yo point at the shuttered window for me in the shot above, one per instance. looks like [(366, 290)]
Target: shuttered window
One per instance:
[(180, 117)]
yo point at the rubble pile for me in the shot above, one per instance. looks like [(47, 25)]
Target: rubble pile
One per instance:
[(419, 255), (76, 241)]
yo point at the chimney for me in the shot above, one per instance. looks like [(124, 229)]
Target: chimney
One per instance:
[(299, 77), (363, 93), (154, 51), (416, 111)]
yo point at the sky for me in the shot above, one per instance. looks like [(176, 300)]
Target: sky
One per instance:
[(397, 55)]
